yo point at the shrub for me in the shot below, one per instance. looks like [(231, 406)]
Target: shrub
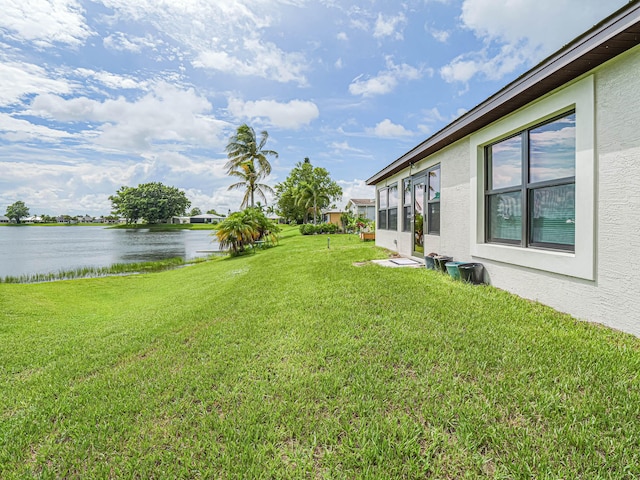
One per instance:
[(311, 229), (242, 229)]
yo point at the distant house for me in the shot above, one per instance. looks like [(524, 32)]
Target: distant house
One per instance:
[(332, 215), (205, 218), (32, 219), (4, 219), (539, 182), (176, 220), (362, 207)]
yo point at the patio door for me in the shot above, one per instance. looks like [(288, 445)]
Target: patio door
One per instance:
[(418, 215)]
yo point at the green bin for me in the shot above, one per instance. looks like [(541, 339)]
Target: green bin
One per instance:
[(453, 270)]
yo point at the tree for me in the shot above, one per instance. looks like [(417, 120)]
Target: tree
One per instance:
[(310, 195), (195, 211), (242, 229), (249, 181), (213, 212), (17, 211), (307, 189), (152, 202), (248, 160)]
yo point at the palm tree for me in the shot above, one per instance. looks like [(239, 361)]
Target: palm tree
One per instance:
[(250, 182), (310, 196), (248, 156)]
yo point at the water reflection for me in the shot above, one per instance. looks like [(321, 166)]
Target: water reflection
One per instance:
[(30, 250)]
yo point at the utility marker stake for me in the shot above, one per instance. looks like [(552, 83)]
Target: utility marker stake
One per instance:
[(328, 239)]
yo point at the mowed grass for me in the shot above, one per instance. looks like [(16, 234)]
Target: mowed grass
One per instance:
[(294, 363)]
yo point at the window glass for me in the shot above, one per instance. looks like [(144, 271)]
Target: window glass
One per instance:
[(553, 215), (382, 198), (406, 188), (406, 200), (382, 220), (434, 184), (393, 196), (552, 150), (506, 163), (505, 216), (393, 219), (434, 218)]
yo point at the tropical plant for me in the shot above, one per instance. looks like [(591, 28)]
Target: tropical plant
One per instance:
[(248, 160), (250, 183), (243, 229), (303, 178), (17, 211)]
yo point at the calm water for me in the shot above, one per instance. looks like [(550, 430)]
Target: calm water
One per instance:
[(30, 250)]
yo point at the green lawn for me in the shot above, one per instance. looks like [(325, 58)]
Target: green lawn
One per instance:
[(294, 363)]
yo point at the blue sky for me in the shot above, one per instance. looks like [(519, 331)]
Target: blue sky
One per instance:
[(104, 93)]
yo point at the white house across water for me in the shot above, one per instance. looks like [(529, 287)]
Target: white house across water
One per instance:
[(540, 182)]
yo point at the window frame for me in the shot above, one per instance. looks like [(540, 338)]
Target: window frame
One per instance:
[(581, 263), (430, 230), (387, 213), (407, 208), (525, 188)]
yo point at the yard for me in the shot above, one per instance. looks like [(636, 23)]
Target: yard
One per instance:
[(295, 363)]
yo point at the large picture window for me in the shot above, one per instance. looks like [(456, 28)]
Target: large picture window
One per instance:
[(530, 186), (388, 208)]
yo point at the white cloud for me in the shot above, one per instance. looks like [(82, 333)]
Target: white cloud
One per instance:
[(224, 36), (18, 130), (440, 35), (342, 36), (294, 114), (355, 188), (464, 67), (520, 32), (20, 79), (120, 41), (44, 22), (387, 26), (261, 59), (545, 23), (166, 114), (112, 80), (386, 80), (387, 129)]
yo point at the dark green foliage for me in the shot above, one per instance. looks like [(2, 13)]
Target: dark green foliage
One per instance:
[(17, 211), (311, 229), (243, 229), (307, 190), (152, 202)]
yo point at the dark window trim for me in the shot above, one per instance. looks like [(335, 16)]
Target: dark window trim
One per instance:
[(525, 188), (388, 210), (430, 230), (407, 208)]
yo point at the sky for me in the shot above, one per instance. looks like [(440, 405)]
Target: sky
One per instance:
[(99, 94)]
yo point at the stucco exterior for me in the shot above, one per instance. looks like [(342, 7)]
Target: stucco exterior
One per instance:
[(597, 282)]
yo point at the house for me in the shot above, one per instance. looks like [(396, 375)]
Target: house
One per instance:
[(362, 207), (540, 182), (333, 215), (4, 219), (206, 218)]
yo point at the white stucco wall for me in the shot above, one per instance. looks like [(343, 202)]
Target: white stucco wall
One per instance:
[(608, 291)]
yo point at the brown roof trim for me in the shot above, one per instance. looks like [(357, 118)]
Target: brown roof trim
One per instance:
[(614, 35)]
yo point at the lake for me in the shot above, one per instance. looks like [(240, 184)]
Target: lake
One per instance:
[(30, 249)]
